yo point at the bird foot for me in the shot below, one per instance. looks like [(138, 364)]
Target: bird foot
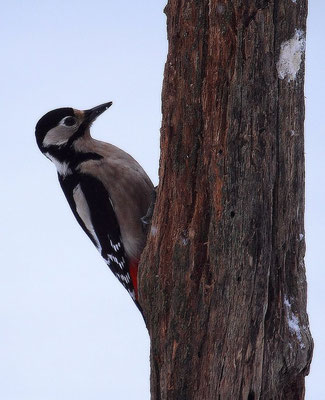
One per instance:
[(146, 219)]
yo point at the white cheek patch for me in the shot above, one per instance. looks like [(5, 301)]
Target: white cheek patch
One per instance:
[(58, 136), (84, 213), (62, 167)]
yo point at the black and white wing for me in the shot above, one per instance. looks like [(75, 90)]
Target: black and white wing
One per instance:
[(93, 209)]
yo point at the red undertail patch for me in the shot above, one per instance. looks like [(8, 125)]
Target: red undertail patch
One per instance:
[(134, 275)]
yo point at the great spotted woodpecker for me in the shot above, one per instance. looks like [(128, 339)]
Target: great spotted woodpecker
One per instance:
[(107, 190)]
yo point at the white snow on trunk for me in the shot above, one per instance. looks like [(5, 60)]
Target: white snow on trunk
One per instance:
[(293, 322), (290, 56)]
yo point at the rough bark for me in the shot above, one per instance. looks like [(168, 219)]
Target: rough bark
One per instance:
[(222, 279)]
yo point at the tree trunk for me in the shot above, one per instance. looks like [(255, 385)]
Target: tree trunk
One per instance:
[(222, 279)]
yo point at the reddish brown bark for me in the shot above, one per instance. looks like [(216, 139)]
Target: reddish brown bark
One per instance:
[(222, 279)]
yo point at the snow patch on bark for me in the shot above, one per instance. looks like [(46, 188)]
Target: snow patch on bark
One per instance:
[(293, 322), (153, 230), (290, 56)]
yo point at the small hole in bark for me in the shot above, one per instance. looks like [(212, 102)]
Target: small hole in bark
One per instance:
[(232, 214), (261, 130), (251, 396), (220, 151), (239, 279)]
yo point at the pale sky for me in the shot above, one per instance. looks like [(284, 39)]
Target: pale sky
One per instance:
[(68, 330)]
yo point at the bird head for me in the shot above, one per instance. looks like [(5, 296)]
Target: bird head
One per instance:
[(59, 128)]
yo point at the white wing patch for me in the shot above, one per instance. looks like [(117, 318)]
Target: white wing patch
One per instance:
[(121, 263), (84, 213), (63, 168), (116, 246), (124, 278)]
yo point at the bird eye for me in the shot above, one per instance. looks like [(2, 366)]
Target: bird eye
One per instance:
[(69, 121)]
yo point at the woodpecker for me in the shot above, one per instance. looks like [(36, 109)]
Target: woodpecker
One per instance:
[(107, 190)]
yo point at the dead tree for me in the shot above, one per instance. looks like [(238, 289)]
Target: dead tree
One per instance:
[(222, 279)]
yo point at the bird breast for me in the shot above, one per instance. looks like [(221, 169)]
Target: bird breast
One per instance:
[(129, 189)]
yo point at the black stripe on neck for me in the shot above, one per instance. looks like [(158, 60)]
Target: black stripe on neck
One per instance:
[(72, 157)]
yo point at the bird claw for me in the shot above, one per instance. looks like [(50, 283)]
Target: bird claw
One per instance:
[(146, 219)]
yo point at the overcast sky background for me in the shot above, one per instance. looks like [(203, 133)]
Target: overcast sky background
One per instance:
[(68, 330)]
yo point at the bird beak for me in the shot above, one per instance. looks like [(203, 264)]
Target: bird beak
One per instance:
[(93, 113)]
